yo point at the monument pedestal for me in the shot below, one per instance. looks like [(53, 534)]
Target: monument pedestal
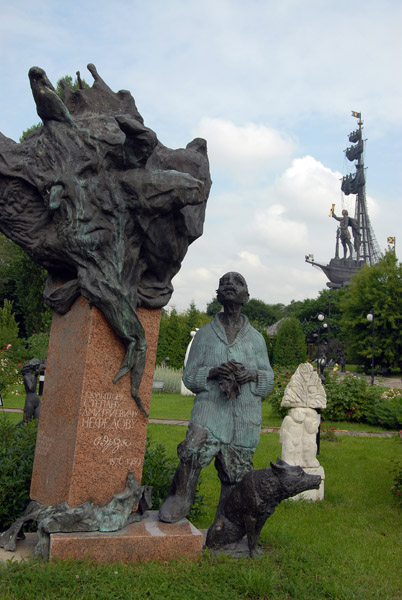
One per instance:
[(147, 540), (91, 432)]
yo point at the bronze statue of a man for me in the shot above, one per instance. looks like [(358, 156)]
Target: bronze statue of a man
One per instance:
[(344, 223), (229, 371)]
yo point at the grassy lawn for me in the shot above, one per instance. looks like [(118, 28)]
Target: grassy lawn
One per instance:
[(175, 406), (15, 397), (346, 547)]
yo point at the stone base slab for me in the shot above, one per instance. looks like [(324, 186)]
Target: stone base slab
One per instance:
[(313, 495), (149, 539)]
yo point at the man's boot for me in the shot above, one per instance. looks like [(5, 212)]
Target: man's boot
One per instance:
[(226, 488), (181, 493)]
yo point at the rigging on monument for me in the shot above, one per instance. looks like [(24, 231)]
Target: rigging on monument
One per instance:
[(364, 249)]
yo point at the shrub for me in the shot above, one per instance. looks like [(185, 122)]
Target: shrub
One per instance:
[(37, 345), (17, 447), (8, 325), (350, 399), (9, 372), (329, 434), (387, 410), (290, 344), (158, 472), (170, 377), (281, 379)]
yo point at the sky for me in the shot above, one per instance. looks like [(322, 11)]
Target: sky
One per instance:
[(270, 85)]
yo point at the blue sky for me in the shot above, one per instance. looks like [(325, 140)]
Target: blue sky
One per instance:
[(270, 85)]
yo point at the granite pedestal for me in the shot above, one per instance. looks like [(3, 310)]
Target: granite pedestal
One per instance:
[(147, 540), (91, 432)]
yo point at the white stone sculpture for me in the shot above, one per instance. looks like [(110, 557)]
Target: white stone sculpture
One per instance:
[(298, 437), (304, 394), (185, 391)]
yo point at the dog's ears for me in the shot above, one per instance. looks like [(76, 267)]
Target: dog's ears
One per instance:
[(279, 466)]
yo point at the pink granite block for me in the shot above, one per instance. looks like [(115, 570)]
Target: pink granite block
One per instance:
[(147, 540), (91, 432)]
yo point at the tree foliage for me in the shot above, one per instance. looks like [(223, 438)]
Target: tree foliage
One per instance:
[(174, 334), (259, 311), (290, 344), (378, 288), (22, 282), (213, 307), (8, 325)]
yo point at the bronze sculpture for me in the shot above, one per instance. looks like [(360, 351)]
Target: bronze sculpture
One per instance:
[(30, 372), (344, 223), (253, 500), (95, 198), (228, 369)]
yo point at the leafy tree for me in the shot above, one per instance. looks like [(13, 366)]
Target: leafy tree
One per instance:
[(22, 281), (8, 326), (289, 344), (30, 130), (174, 334), (257, 310), (173, 339), (77, 84), (328, 303), (378, 288), (213, 307)]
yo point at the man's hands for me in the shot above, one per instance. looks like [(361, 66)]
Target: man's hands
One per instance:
[(233, 369)]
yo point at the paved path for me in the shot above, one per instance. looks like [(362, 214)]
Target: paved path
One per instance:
[(184, 423), (375, 434), (393, 382)]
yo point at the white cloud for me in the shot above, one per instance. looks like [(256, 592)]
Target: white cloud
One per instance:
[(265, 82), (308, 187), (274, 229), (247, 152), (250, 259)]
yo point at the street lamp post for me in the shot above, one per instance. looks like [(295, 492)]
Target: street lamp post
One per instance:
[(370, 317), (329, 323), (320, 318)]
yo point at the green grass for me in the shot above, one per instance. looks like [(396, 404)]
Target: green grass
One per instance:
[(13, 417), (170, 406), (175, 406), (346, 547)]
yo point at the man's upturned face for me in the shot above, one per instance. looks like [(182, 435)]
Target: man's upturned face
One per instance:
[(232, 288)]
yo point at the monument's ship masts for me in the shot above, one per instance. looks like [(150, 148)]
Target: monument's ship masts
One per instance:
[(369, 250), (365, 249)]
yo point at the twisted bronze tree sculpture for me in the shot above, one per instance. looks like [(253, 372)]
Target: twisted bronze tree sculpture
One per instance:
[(95, 198)]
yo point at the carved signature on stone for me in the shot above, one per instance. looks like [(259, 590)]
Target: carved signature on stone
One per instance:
[(106, 443)]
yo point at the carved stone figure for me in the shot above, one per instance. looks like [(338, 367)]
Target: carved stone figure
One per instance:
[(229, 371), (298, 437), (253, 500), (304, 389), (305, 396), (95, 198), (183, 390)]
